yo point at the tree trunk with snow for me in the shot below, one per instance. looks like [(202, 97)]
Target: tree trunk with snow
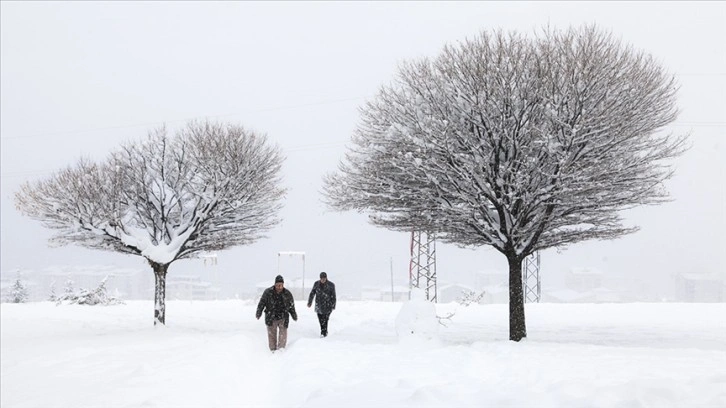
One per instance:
[(159, 292), (517, 326)]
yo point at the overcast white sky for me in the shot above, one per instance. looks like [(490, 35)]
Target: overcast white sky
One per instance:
[(80, 78)]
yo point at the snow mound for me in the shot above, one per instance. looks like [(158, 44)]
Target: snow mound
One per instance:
[(417, 318)]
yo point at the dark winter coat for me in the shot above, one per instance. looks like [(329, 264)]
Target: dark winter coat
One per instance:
[(277, 306), (324, 295)]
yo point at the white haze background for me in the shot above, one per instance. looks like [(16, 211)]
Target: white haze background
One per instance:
[(81, 78)]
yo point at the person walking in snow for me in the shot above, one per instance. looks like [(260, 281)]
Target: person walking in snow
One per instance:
[(278, 305), (324, 294)]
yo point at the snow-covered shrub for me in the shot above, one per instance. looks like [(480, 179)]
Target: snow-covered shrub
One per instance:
[(68, 295), (98, 296)]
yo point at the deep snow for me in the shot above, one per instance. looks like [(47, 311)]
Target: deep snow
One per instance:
[(214, 354)]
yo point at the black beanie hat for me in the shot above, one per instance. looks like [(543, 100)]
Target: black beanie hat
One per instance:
[(278, 278), (323, 275)]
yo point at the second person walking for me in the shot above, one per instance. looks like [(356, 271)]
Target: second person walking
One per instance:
[(324, 294)]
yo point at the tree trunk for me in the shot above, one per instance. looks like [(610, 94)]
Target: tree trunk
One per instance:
[(517, 326), (159, 292)]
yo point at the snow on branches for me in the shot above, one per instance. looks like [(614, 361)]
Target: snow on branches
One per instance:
[(212, 186), (515, 142)]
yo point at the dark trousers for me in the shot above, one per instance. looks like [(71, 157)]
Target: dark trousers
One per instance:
[(323, 319)]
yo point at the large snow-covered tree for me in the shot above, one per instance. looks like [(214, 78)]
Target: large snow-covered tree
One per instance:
[(517, 142), (211, 187)]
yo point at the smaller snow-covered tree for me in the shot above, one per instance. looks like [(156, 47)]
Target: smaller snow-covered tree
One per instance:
[(52, 296), (68, 290), (102, 293), (85, 297), (68, 294), (19, 292), (102, 296), (98, 296), (210, 187)]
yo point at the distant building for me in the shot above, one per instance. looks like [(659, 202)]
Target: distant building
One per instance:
[(598, 295), (398, 293), (582, 285), (385, 294), (632, 289), (370, 293), (495, 294), (492, 277), (452, 292), (583, 279), (190, 287), (495, 284), (700, 287)]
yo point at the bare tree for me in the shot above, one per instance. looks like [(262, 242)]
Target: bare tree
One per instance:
[(211, 187), (514, 142)]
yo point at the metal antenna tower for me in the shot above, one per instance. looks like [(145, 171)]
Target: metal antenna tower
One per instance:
[(422, 268), (530, 279)]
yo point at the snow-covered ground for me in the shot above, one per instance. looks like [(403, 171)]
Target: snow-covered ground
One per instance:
[(214, 354)]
